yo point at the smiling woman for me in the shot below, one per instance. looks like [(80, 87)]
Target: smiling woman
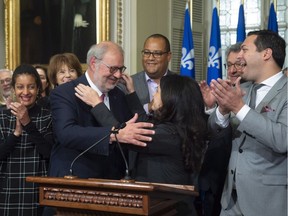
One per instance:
[(26, 139), (37, 29)]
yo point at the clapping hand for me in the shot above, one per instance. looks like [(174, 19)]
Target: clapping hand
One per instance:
[(21, 112), (208, 97)]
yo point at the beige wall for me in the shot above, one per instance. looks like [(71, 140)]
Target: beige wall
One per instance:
[(152, 17)]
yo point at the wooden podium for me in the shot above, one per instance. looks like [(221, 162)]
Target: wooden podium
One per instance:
[(109, 197)]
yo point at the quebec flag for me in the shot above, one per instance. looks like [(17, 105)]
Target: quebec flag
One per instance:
[(214, 58), (187, 67), (272, 21), (241, 34)]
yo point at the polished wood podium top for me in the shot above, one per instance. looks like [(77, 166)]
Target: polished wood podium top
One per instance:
[(112, 184), (71, 195)]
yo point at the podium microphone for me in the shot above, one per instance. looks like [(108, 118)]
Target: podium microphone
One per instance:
[(114, 131), (127, 177)]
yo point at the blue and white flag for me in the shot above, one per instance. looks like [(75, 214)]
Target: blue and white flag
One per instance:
[(187, 67), (214, 58), (241, 34), (272, 21)]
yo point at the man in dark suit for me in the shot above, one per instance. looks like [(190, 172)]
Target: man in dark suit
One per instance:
[(214, 168), (75, 122), (156, 55)]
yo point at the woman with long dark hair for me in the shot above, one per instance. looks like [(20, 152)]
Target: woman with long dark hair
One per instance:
[(178, 145)]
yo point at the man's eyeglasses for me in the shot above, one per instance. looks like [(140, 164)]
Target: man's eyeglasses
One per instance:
[(155, 54), (237, 65), (114, 69), (7, 80)]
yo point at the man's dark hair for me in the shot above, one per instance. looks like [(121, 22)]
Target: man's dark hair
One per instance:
[(268, 39), (167, 43), (183, 106)]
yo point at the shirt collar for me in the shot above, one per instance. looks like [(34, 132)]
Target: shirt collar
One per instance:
[(148, 79), (273, 79), (93, 86)]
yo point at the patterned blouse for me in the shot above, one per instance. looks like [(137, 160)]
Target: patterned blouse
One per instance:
[(26, 155)]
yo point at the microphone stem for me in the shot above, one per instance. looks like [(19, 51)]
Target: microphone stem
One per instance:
[(127, 175), (71, 166)]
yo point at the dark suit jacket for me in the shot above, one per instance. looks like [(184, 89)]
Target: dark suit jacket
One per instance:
[(214, 168), (141, 86), (162, 160), (76, 129)]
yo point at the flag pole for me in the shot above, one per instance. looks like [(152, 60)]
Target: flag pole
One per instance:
[(187, 66), (190, 3), (275, 4)]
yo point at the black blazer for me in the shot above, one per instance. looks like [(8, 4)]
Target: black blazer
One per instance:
[(161, 160), (214, 168), (76, 129)]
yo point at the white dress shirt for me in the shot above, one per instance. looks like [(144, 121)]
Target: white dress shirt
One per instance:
[(223, 120), (93, 86)]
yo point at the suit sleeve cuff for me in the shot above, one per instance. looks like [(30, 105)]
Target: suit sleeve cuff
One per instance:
[(243, 112)]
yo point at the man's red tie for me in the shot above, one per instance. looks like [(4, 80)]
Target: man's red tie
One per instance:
[(102, 97)]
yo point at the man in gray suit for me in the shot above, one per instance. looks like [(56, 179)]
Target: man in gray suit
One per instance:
[(257, 171), (156, 55)]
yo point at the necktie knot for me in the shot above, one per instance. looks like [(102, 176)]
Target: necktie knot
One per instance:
[(102, 97)]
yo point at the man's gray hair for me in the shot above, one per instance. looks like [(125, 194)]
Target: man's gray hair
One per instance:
[(235, 48), (6, 70), (99, 50)]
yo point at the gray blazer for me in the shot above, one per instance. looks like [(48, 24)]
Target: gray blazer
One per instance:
[(141, 86), (259, 155)]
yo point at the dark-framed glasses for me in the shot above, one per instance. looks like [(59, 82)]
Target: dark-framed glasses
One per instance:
[(237, 65), (114, 69), (155, 54)]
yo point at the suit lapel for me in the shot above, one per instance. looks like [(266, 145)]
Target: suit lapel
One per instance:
[(116, 105), (272, 93), (142, 88), (82, 79), (266, 100)]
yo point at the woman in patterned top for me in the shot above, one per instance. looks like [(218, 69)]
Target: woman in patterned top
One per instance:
[(25, 142)]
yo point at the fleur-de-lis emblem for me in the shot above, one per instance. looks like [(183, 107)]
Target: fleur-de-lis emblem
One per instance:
[(214, 56), (187, 57)]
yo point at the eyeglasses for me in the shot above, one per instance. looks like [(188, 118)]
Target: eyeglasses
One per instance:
[(7, 80), (114, 69), (237, 65), (155, 54)]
